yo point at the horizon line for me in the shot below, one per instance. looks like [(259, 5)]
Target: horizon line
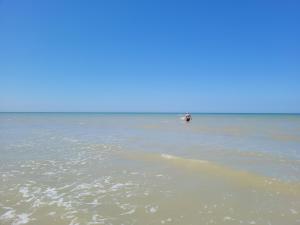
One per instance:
[(149, 112)]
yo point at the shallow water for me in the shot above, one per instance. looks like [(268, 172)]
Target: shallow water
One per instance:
[(89, 168)]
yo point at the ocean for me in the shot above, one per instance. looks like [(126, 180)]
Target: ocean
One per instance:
[(149, 168)]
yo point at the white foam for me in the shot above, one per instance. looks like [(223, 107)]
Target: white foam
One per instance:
[(117, 186), (227, 218), (134, 173), (22, 218), (107, 179), (66, 186), (36, 203), (51, 193), (8, 215), (129, 212), (48, 173), (24, 191), (293, 211), (51, 213), (96, 219), (101, 191), (167, 156), (73, 222), (151, 209)]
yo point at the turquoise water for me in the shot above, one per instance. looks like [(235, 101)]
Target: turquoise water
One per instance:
[(143, 168)]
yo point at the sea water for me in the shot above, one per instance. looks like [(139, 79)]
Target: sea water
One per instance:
[(120, 168)]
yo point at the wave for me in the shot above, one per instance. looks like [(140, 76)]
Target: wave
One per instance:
[(221, 172)]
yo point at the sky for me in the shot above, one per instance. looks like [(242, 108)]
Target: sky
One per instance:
[(150, 56)]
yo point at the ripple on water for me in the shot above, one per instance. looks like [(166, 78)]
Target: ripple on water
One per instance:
[(87, 189)]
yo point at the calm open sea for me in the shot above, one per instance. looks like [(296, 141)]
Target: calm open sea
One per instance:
[(118, 168)]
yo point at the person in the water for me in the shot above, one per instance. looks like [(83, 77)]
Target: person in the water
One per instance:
[(187, 117)]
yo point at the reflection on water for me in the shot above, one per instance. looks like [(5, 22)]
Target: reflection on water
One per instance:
[(149, 169)]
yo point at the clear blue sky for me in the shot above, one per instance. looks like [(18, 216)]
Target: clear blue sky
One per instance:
[(204, 56)]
